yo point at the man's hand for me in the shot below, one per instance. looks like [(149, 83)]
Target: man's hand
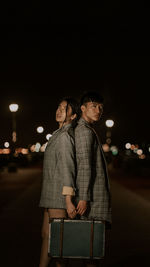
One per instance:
[(82, 207), (71, 210)]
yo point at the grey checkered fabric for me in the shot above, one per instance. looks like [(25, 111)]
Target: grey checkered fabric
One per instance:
[(58, 168), (92, 182)]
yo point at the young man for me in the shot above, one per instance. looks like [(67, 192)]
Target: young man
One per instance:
[(92, 184)]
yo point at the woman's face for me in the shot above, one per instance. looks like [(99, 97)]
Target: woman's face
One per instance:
[(61, 115)]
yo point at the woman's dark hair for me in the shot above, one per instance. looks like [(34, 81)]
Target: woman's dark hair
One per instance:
[(73, 103), (91, 97)]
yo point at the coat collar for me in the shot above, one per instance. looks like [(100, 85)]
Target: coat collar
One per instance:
[(57, 132), (63, 128), (84, 122)]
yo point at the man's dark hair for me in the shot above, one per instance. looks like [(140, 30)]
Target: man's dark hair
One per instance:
[(91, 97)]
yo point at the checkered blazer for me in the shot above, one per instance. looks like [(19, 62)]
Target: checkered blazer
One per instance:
[(58, 169), (92, 182)]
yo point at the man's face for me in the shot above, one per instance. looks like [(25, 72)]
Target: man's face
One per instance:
[(92, 111), (61, 115)]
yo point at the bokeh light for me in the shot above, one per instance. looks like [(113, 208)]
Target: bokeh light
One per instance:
[(13, 107), (109, 123), (48, 136), (6, 144), (40, 129), (127, 145)]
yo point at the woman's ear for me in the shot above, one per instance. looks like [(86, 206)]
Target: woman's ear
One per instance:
[(73, 116)]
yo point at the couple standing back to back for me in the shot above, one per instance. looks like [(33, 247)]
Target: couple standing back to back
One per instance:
[(74, 168)]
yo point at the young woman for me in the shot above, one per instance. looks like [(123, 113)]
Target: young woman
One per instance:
[(58, 185)]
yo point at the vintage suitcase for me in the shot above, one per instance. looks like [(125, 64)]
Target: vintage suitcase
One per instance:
[(76, 238)]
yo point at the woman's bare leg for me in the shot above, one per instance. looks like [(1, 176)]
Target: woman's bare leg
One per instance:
[(44, 258), (58, 213)]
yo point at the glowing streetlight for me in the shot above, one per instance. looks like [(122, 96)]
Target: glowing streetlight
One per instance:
[(109, 124), (14, 108), (6, 144), (40, 129), (48, 136), (127, 145)]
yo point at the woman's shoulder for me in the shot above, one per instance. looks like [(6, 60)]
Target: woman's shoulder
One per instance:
[(67, 135)]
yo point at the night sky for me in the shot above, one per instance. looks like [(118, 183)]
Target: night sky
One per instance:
[(48, 53)]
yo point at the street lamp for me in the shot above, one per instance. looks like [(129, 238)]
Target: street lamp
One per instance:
[(14, 108), (40, 129), (109, 124)]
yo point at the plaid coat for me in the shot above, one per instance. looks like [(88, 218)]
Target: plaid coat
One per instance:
[(58, 169), (92, 182)]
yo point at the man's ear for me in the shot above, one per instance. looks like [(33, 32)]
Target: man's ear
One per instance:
[(73, 116), (83, 108)]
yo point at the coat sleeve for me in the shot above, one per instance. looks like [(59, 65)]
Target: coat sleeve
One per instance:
[(84, 140), (67, 164)]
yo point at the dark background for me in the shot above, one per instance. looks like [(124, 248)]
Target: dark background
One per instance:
[(47, 53)]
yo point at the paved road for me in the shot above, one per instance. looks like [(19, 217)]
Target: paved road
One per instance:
[(21, 219)]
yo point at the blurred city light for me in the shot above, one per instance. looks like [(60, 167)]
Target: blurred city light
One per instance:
[(43, 147), (106, 147), (24, 151), (6, 144), (135, 150), (132, 147), (13, 107), (48, 136), (127, 145), (109, 123), (139, 152), (37, 147), (40, 129), (142, 156), (32, 148), (114, 150), (6, 151)]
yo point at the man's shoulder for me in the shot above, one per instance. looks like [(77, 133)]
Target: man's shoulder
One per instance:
[(83, 130), (82, 124)]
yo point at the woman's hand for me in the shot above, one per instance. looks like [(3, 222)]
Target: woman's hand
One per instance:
[(71, 210), (82, 207)]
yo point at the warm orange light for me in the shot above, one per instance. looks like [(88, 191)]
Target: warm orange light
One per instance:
[(132, 147), (139, 152), (24, 151), (142, 156), (106, 147), (32, 148), (6, 151), (43, 147)]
